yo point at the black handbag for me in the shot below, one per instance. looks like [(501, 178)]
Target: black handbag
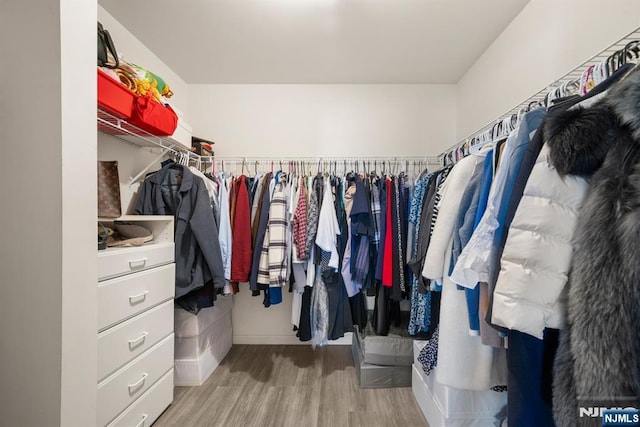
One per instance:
[(107, 55)]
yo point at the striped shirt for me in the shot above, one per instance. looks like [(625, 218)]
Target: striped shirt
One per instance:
[(375, 212), (436, 208), (277, 241)]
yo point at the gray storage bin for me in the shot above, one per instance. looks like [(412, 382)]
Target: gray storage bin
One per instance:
[(378, 376)]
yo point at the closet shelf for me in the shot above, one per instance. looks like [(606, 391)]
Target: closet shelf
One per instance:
[(157, 218), (124, 130), (160, 225)]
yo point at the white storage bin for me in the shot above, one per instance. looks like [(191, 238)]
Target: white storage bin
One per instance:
[(190, 325), (202, 341), (451, 407)]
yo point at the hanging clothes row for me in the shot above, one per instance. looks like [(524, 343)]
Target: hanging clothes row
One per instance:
[(343, 236), (330, 238), (532, 238)]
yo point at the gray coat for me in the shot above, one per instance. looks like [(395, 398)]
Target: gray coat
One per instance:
[(599, 354), (175, 190)]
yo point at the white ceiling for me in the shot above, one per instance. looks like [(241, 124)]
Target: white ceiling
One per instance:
[(317, 41)]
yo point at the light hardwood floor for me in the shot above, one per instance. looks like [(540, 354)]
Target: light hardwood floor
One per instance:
[(279, 385)]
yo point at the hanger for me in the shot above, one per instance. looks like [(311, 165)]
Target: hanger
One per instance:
[(611, 66)]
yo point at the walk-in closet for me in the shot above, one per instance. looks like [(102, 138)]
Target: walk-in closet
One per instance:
[(320, 213)]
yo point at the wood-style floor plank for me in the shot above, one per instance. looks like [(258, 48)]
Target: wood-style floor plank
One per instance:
[(297, 386)]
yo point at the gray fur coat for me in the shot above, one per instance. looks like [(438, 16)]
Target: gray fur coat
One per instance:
[(599, 353)]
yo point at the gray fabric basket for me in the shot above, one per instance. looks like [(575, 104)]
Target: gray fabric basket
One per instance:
[(378, 376)]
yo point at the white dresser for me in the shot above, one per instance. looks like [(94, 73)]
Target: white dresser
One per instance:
[(136, 287)]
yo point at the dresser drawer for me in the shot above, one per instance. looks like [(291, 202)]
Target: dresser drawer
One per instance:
[(128, 384), (114, 262), (149, 406), (125, 341), (126, 296)]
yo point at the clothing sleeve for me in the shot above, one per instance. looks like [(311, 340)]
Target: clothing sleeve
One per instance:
[(300, 224), (452, 192), (328, 228), (278, 238), (143, 204), (312, 222), (241, 256), (473, 263), (224, 237), (204, 229)]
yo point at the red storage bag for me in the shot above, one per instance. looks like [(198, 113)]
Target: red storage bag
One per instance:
[(113, 97), (153, 117)]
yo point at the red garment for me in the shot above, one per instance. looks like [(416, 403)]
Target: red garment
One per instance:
[(241, 251), (387, 257), (300, 222)]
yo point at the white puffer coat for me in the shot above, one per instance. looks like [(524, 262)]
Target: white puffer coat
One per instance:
[(537, 254)]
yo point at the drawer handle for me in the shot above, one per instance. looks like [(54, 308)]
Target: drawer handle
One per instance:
[(139, 340), (138, 263), (134, 299), (138, 383), (144, 418)]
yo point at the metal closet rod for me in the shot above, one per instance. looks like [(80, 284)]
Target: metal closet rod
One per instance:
[(538, 97), (321, 161), (323, 158)]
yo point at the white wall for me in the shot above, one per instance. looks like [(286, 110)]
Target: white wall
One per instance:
[(316, 120), (545, 41), (255, 324), (47, 255), (131, 158), (79, 212), (132, 49), (324, 120)]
